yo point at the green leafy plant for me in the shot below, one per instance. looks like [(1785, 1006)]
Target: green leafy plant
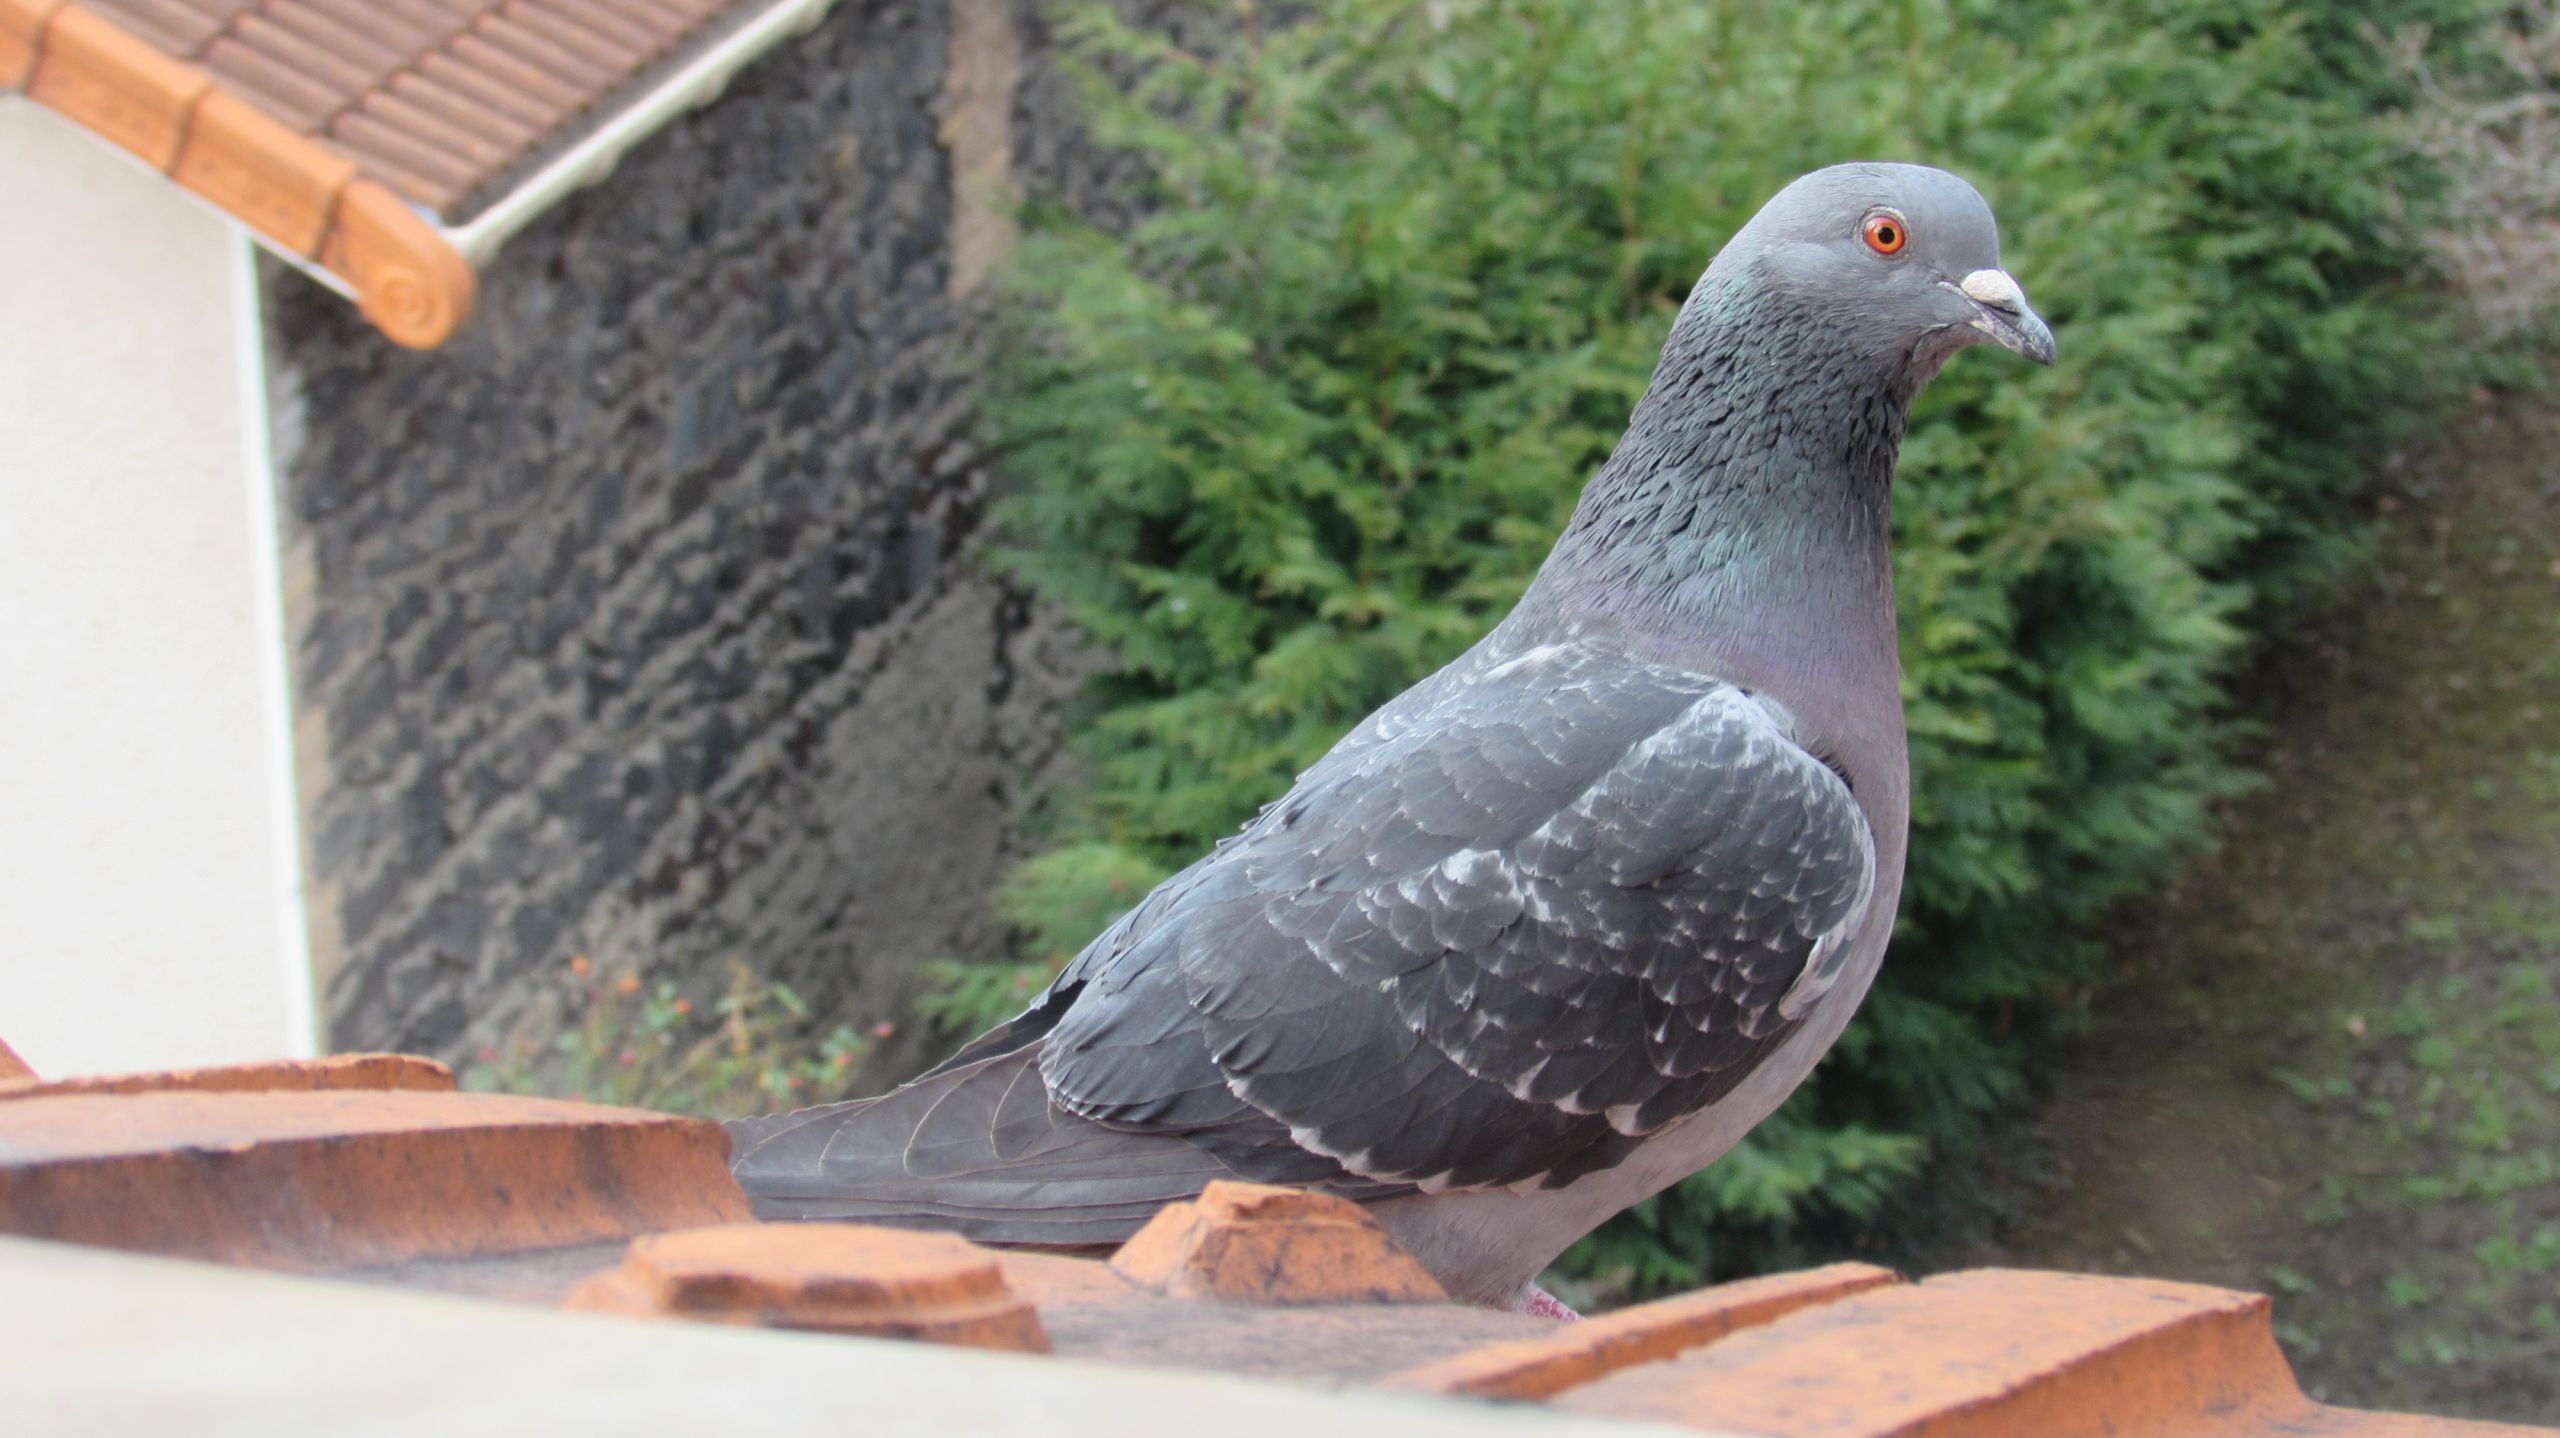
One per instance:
[(1056, 905), (629, 1044), (1302, 430)]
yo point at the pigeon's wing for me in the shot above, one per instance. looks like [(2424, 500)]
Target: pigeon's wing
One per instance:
[(981, 1150), (977, 1146), (1523, 917), (1557, 904)]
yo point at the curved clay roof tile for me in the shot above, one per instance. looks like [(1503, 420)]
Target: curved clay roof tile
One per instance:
[(363, 138)]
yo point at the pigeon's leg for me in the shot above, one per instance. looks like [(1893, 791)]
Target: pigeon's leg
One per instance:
[(1542, 1304)]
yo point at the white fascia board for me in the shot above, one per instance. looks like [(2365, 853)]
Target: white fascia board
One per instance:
[(697, 82)]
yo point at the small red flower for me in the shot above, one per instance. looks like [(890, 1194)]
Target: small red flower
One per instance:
[(883, 1029), (629, 1058), (684, 1006), (627, 985), (580, 965)]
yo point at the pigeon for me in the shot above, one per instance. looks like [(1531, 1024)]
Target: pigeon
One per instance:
[(1554, 928)]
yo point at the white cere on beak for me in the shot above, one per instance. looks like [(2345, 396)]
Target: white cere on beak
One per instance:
[(1996, 289)]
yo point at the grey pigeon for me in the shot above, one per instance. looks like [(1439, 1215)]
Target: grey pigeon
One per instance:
[(1555, 927)]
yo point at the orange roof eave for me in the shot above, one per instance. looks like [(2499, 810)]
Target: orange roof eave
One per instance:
[(300, 197)]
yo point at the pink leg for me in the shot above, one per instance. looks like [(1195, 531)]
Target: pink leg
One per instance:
[(1543, 1304)]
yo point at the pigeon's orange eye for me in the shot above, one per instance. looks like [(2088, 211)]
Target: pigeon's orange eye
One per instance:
[(1886, 234)]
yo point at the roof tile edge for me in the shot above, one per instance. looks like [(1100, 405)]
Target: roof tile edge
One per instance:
[(299, 195), (409, 279), (22, 27)]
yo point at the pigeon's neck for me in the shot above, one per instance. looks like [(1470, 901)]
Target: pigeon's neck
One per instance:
[(1743, 521)]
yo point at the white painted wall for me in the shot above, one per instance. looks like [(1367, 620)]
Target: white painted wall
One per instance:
[(148, 908)]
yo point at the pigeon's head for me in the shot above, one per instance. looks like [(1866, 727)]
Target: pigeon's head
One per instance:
[(1901, 260)]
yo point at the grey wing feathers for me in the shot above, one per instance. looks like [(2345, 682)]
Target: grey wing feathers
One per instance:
[(1532, 912), (979, 1149)]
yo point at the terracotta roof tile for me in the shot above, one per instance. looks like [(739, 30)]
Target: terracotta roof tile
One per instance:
[(395, 28), (326, 115), (661, 14), (346, 78), (604, 21), (425, 126), (274, 85), (104, 77), (476, 83), (506, 67), (318, 65), (244, 160), (375, 59), (432, 174), (481, 117), (598, 51), (544, 46), (174, 26), (224, 11)]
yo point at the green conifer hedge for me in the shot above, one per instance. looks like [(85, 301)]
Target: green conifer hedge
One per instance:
[(1302, 432)]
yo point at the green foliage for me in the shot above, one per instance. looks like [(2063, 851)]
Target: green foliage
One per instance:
[(1056, 903), (1303, 431), (640, 1047), (967, 997)]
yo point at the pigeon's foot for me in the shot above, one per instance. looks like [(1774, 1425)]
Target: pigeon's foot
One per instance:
[(1542, 1304)]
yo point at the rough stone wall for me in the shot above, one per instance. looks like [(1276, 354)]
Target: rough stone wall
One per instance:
[(642, 621)]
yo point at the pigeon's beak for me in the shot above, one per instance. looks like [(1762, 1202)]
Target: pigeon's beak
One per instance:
[(2002, 313)]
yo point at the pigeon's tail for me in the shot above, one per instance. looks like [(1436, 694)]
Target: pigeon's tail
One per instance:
[(974, 1148)]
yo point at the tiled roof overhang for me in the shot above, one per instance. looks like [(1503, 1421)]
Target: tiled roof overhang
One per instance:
[(385, 146)]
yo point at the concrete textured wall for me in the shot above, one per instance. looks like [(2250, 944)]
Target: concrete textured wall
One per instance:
[(144, 877), (642, 621)]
